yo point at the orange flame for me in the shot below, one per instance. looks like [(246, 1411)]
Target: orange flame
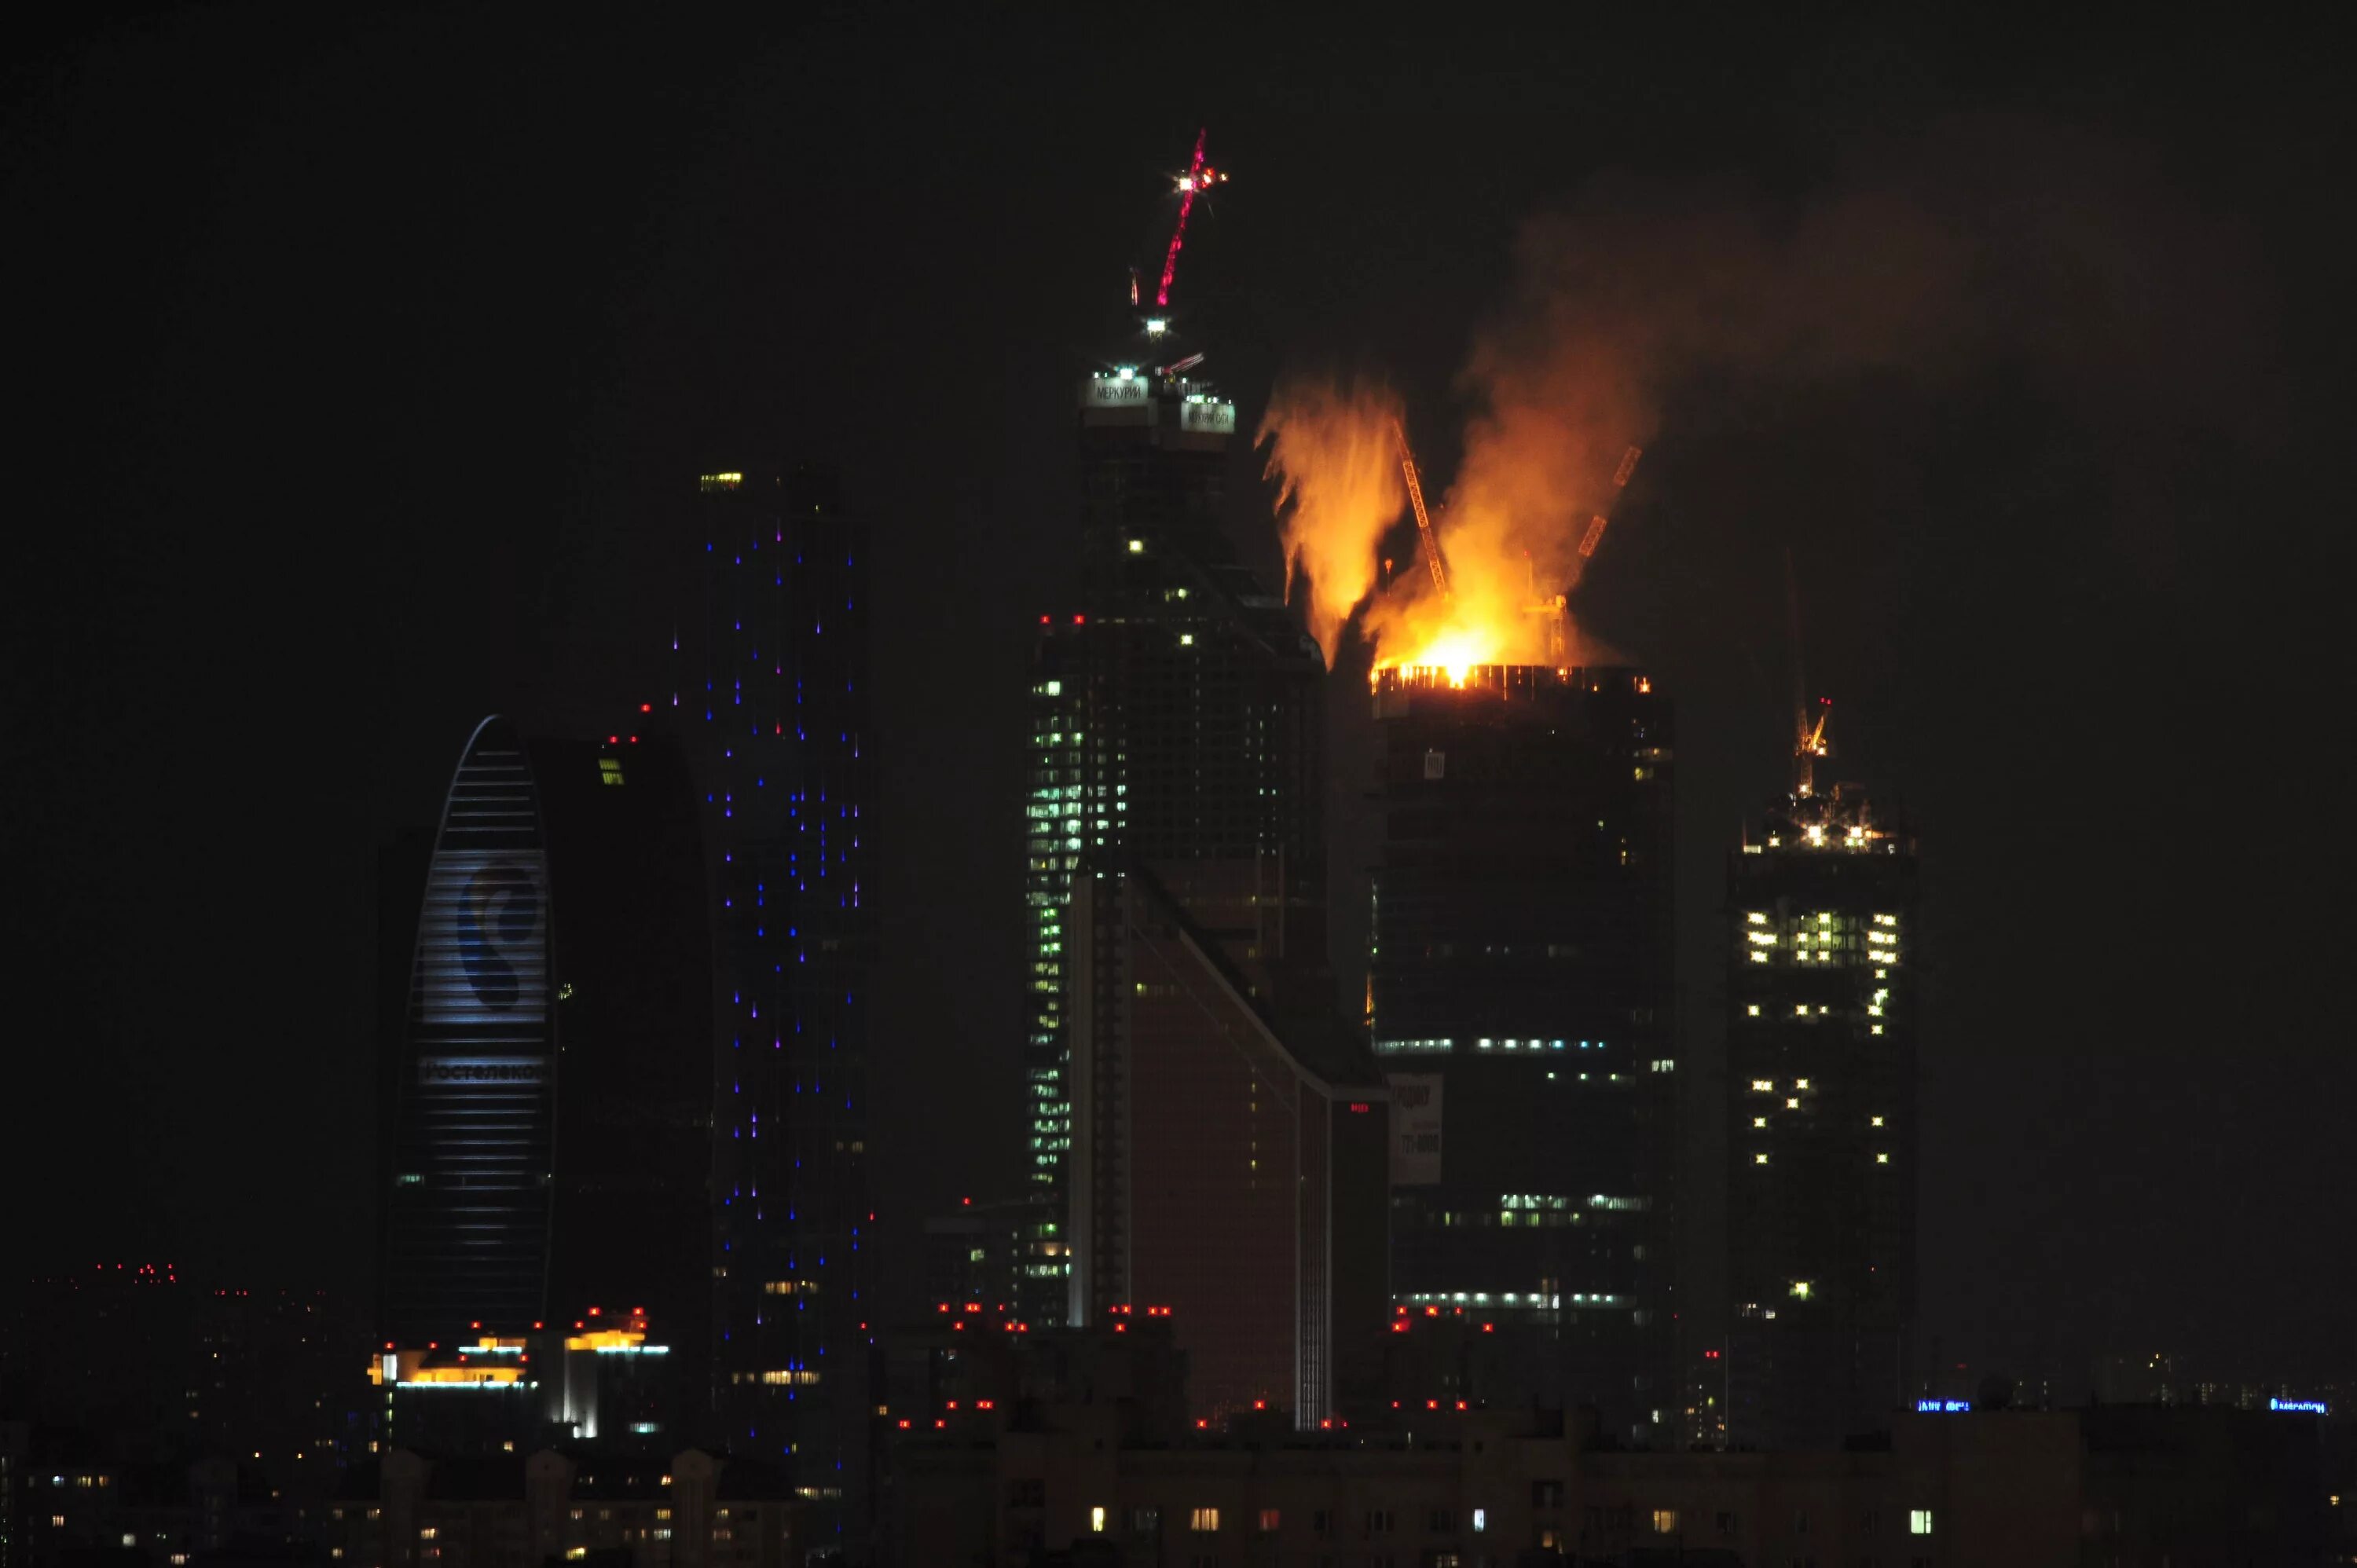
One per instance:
[(1341, 487), (1509, 530)]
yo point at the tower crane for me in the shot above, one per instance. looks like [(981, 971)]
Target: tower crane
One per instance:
[(1808, 740), (1199, 177), (1429, 541)]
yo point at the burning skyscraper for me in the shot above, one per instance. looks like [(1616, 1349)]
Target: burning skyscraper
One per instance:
[(1520, 996), (1821, 1078)]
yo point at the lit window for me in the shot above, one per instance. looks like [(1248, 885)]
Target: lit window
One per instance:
[(1876, 1121), (1480, 1518), (1268, 1521), (1801, 1289), (1137, 547), (1882, 1159), (1752, 1011), (1764, 1085), (1665, 1521), (1759, 1121), (1096, 1521), (1203, 1519), (1919, 1521), (1800, 1083), (1759, 1159)]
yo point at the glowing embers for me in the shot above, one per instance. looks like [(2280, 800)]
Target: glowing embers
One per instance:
[(1468, 663)]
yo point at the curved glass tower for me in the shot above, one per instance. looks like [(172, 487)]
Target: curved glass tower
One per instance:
[(466, 1226)]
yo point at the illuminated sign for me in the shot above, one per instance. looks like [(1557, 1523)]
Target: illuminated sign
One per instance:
[(2298, 1407), (1943, 1407), (482, 944), (1209, 418), (481, 1069), (1123, 392), (1415, 1128)]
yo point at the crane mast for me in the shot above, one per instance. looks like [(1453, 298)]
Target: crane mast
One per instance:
[(1426, 538)]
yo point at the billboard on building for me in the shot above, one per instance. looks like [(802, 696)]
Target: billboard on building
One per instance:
[(1415, 1128), (482, 944)]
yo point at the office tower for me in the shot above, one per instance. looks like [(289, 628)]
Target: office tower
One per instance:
[(1228, 1160), (1176, 774), (1519, 975), (551, 1142), (467, 1215), (772, 698), (1175, 716), (1821, 1078)]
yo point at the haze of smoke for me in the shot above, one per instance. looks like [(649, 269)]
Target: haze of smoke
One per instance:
[(1993, 242)]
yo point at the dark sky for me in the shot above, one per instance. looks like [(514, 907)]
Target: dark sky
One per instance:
[(361, 366)]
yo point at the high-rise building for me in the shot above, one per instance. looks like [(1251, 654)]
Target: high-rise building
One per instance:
[(1520, 978), (1176, 716), (1820, 1079), (551, 1146), (466, 1213), (772, 698), (1192, 1139), (1229, 1158)]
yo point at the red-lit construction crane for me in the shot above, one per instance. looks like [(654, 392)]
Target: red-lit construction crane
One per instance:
[(1199, 177)]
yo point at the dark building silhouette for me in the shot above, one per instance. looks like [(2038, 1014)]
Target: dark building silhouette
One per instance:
[(1232, 1174), (970, 1254), (1822, 966), (551, 1149), (771, 692), (1521, 1001), (1083, 1453)]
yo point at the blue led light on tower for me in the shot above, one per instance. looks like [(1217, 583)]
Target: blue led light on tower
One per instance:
[(778, 629)]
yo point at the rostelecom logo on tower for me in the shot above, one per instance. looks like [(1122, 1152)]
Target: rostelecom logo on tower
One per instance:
[(499, 912)]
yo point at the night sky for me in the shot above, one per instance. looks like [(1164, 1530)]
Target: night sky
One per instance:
[(362, 368)]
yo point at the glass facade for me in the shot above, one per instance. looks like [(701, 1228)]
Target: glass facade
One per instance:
[(1056, 829), (466, 1222), (772, 698), (1176, 718), (1521, 984)]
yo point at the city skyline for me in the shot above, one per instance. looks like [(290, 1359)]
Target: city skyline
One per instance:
[(2041, 724)]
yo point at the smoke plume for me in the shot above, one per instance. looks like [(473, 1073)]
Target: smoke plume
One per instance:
[(1990, 243)]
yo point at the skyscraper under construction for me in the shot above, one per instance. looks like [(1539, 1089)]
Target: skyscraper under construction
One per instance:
[(1821, 1077), (1205, 1133), (1174, 716), (1520, 978)]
